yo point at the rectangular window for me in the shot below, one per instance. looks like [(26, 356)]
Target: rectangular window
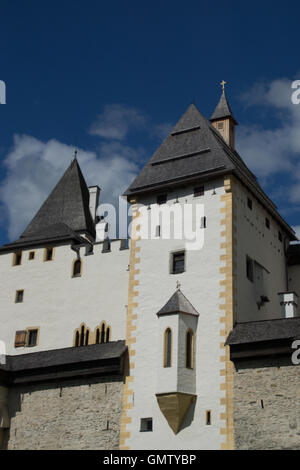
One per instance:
[(199, 191), (220, 125), (19, 296), (249, 268), (31, 255), (177, 263), (32, 338), (157, 231), (48, 254), (280, 236), (146, 425), (249, 203), (267, 223), (203, 222), (161, 199), (208, 418), (20, 338), (17, 258)]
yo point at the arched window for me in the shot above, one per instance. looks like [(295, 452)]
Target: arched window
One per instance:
[(82, 334), (103, 333), (97, 336), (107, 334), (168, 348), (77, 339), (189, 349), (87, 334), (77, 268)]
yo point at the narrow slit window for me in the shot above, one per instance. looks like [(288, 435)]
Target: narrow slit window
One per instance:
[(77, 268), (208, 418), (87, 334), (267, 223), (189, 350), (168, 348), (82, 334), (249, 203), (157, 231), (103, 333), (97, 336), (249, 268), (77, 339), (107, 336), (203, 222)]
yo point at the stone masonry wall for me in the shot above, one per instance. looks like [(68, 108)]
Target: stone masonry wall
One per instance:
[(267, 405), (84, 414)]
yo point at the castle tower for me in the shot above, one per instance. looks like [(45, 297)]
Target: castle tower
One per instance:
[(180, 389)]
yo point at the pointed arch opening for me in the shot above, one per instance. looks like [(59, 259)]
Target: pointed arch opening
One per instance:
[(189, 349), (168, 348)]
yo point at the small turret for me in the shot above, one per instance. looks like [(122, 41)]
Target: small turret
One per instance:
[(223, 120)]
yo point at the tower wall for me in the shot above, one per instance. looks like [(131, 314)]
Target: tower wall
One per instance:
[(205, 280)]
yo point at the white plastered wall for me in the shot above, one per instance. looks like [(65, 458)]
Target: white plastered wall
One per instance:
[(57, 303), (200, 283), (262, 245)]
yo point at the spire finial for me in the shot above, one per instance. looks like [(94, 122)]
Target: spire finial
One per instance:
[(75, 153), (177, 285), (223, 83)]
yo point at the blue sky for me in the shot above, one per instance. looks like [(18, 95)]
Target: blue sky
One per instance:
[(112, 77)]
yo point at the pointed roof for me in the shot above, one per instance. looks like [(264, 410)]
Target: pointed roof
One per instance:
[(64, 213), (178, 303), (194, 152), (223, 110)]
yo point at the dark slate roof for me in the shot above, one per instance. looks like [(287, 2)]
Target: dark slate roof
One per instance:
[(223, 110), (60, 357), (293, 254), (65, 211), (266, 330), (178, 303), (194, 151)]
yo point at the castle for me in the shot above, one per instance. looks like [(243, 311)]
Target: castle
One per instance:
[(158, 343)]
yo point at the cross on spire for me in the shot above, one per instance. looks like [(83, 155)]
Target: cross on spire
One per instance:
[(223, 83)]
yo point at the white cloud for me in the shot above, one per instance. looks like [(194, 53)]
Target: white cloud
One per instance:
[(270, 151), (116, 121), (34, 167)]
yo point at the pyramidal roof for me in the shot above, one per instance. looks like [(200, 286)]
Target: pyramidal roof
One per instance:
[(178, 303), (66, 210), (223, 110), (194, 152)]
